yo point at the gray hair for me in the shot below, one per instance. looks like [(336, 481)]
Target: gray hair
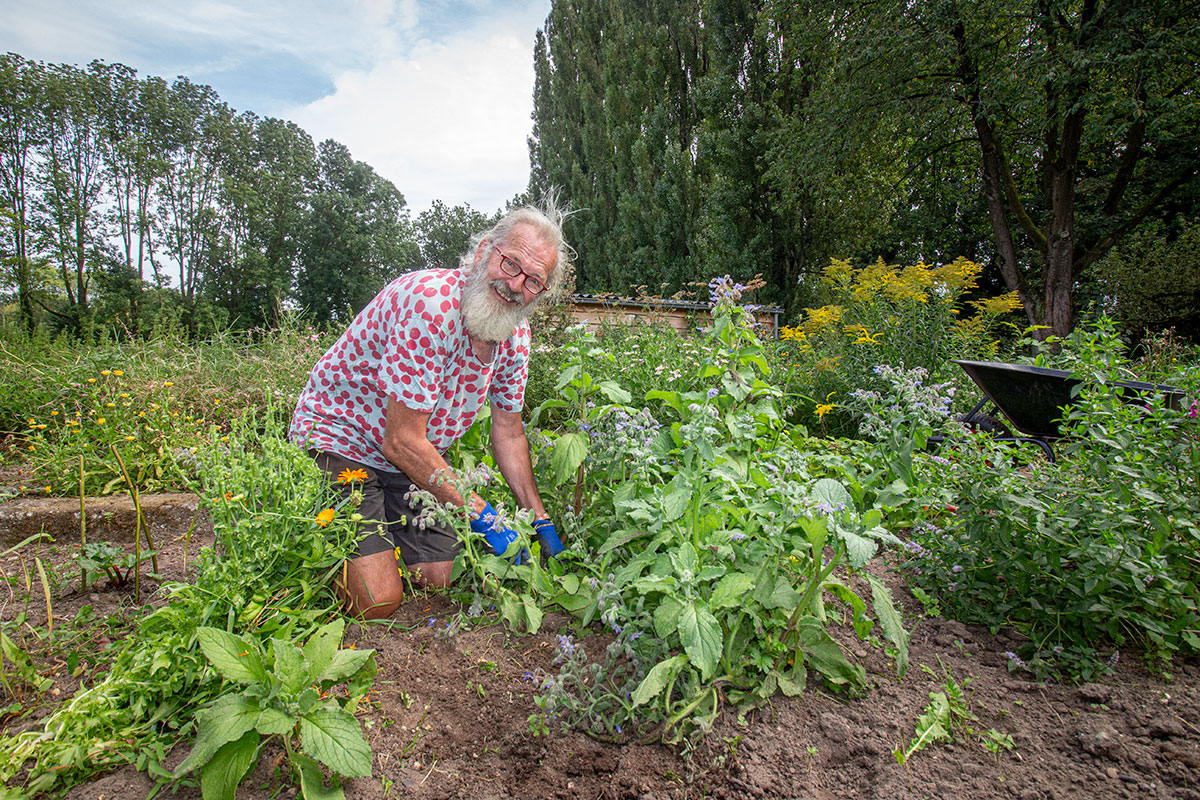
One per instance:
[(547, 220)]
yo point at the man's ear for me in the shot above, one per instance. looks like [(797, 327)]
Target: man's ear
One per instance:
[(483, 245)]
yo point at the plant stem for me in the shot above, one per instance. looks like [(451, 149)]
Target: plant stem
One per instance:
[(83, 576)]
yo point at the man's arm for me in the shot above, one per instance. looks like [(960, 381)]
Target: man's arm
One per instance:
[(405, 444), (511, 451)]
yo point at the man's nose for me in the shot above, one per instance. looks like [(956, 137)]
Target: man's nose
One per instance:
[(516, 283)]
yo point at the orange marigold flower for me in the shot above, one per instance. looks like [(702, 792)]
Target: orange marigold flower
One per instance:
[(351, 475), (325, 517)]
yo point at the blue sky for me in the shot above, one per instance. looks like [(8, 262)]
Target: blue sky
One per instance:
[(436, 95)]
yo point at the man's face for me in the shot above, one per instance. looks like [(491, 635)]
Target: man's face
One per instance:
[(495, 302)]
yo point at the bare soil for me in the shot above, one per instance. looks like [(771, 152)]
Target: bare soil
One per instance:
[(450, 717)]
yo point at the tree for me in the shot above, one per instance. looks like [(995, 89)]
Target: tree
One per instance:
[(356, 237), (71, 180), (21, 134), (1083, 116), (444, 233)]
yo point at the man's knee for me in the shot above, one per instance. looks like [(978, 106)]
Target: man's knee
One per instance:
[(432, 574), (372, 586)]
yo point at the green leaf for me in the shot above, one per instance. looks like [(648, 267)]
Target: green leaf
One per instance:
[(862, 623), (684, 559), (272, 721), (657, 679), (731, 590), (673, 399), (229, 717), (321, 646), (701, 636), (666, 617), (533, 614), (890, 622), (344, 664), (613, 391), (570, 450), (619, 538), (220, 777), (829, 491), (290, 669), (232, 656), (312, 781), (674, 503), (824, 655), (332, 736), (788, 686), (859, 549)]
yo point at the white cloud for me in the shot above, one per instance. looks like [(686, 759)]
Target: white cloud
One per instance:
[(447, 121)]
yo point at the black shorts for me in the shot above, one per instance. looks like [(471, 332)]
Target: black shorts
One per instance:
[(389, 521)]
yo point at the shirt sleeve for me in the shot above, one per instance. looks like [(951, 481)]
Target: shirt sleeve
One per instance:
[(413, 363)]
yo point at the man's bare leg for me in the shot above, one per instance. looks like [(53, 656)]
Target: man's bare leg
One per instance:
[(432, 574), (373, 588)]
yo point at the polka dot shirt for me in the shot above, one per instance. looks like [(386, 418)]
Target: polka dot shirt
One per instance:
[(409, 344)]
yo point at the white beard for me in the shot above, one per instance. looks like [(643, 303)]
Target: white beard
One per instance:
[(484, 315)]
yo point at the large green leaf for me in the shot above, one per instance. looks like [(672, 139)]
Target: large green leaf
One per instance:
[(831, 493), (674, 503), (859, 549), (657, 679), (824, 655), (312, 781), (890, 622), (666, 617), (272, 721), (344, 664), (731, 590), (228, 718), (332, 736), (613, 391), (290, 670), (232, 656), (321, 646), (701, 636), (219, 778), (570, 450)]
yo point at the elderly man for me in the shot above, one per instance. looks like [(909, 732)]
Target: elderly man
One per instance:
[(405, 382)]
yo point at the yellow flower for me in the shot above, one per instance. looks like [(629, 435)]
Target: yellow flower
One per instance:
[(130, 438), (106, 372), (169, 383), (325, 517), (351, 475), (31, 421), (45, 488), (824, 408), (224, 438), (123, 394), (118, 372), (54, 413), (110, 405), (100, 421), (91, 380)]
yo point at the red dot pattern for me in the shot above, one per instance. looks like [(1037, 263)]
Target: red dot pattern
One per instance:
[(409, 344)]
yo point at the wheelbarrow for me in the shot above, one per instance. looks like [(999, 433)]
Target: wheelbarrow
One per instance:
[(1034, 399)]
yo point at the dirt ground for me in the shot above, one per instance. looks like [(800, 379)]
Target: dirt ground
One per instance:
[(450, 718)]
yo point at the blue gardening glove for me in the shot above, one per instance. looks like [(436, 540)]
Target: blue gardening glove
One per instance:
[(548, 536), (498, 537)]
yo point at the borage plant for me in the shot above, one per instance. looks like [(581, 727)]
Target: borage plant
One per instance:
[(715, 553)]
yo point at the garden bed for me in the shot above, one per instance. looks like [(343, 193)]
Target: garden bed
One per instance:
[(450, 714)]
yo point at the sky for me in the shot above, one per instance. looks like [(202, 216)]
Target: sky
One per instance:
[(436, 95)]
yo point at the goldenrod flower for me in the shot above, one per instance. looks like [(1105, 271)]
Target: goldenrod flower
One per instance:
[(325, 517), (824, 408), (351, 475)]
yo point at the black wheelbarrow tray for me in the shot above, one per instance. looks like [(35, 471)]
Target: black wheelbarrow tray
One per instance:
[(1035, 399)]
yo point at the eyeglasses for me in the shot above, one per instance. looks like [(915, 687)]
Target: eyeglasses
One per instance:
[(533, 285)]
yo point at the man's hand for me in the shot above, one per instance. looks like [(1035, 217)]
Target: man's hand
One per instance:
[(498, 537), (548, 536)]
